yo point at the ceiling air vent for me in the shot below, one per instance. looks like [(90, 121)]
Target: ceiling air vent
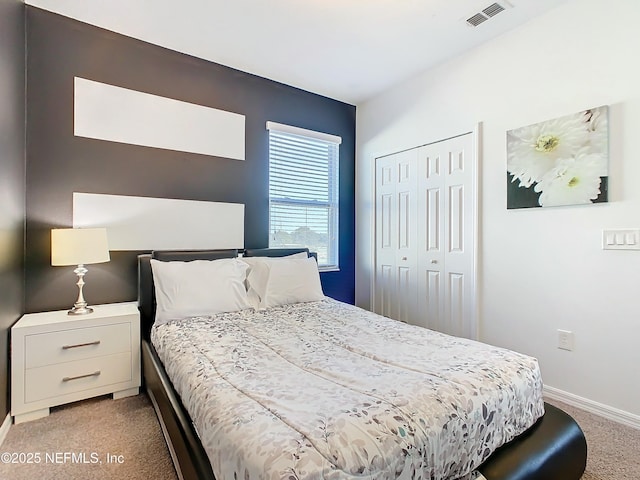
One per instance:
[(486, 13), (492, 10), (477, 19)]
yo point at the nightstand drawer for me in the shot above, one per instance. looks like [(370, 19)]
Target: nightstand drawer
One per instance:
[(76, 344), (55, 380)]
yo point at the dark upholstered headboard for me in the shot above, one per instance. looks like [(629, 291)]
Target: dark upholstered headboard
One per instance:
[(146, 291), (276, 252)]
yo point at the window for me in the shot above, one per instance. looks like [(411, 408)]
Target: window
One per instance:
[(303, 191)]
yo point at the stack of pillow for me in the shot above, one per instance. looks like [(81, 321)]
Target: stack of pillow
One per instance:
[(206, 287)]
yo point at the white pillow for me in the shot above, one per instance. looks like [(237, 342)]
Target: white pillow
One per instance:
[(284, 280), (199, 287), (258, 275)]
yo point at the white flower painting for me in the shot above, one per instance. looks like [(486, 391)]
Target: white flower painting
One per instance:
[(563, 161)]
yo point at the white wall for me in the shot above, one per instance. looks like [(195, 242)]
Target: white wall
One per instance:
[(540, 269)]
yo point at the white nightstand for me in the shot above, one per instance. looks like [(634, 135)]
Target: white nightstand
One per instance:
[(58, 358)]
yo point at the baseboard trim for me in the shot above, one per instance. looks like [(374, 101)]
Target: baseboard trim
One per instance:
[(4, 429), (610, 413)]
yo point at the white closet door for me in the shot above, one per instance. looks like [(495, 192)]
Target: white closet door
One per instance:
[(425, 236), (396, 236), (431, 248), (386, 238), (446, 223)]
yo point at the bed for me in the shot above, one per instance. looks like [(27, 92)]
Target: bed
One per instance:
[(478, 439)]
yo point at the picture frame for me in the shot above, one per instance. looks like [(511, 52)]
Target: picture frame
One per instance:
[(558, 162)]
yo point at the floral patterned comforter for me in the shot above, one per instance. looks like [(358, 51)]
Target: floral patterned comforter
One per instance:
[(325, 390)]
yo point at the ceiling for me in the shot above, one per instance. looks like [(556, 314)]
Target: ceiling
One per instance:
[(349, 50)]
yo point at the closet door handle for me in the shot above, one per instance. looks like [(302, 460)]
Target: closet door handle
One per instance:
[(403, 258), (434, 261)]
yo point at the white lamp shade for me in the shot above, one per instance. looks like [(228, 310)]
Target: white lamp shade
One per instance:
[(77, 246)]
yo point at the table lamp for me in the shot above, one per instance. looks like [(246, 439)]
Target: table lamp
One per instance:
[(79, 246)]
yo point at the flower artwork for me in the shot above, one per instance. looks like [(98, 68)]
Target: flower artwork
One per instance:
[(563, 161)]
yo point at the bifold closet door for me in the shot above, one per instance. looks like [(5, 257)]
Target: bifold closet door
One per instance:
[(446, 226), (396, 285), (425, 228)]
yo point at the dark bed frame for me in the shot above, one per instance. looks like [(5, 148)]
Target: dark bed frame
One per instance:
[(553, 449)]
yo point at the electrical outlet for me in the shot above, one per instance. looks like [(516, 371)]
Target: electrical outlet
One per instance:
[(565, 340)]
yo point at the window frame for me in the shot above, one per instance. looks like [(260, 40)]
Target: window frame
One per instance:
[(332, 204)]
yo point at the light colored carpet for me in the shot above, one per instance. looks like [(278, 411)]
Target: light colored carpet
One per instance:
[(128, 430), (613, 450)]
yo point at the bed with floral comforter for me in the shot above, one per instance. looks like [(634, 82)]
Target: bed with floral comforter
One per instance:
[(326, 390)]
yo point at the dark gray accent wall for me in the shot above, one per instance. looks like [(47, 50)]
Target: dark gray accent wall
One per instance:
[(12, 183), (59, 163)]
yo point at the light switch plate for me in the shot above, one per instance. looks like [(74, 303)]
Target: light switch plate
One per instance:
[(621, 239)]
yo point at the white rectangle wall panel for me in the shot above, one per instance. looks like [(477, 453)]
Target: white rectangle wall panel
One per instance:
[(116, 114), (145, 223)]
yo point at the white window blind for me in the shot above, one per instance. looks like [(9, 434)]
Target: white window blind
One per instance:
[(303, 191)]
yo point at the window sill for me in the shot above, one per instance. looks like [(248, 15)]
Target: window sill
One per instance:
[(329, 268)]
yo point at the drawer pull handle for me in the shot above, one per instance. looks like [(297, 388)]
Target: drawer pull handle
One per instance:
[(94, 374), (67, 347)]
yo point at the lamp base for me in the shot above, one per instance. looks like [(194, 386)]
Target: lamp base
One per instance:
[(80, 310), (80, 307)]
